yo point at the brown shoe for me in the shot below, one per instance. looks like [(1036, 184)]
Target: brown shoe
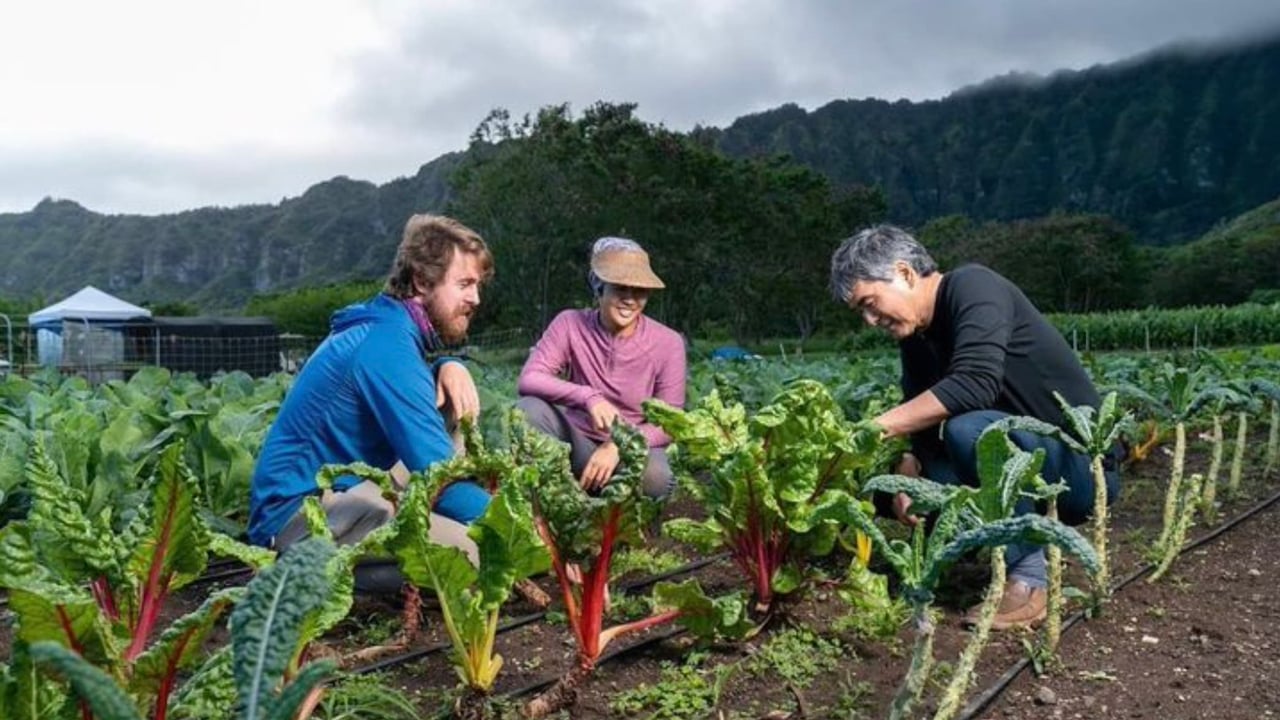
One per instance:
[(1021, 606)]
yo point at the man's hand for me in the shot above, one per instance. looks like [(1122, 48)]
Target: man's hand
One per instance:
[(909, 465), (456, 389), (902, 510), (600, 467), (603, 413)]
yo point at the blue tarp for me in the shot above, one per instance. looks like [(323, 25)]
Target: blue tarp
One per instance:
[(732, 352)]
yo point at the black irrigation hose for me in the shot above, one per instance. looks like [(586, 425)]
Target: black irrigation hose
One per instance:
[(979, 704), (222, 564), (651, 639), (442, 646), (534, 617), (209, 577)]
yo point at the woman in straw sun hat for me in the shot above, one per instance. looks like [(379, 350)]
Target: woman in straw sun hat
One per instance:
[(592, 366)]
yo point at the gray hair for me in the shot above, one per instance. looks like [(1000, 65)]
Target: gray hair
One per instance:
[(606, 244), (871, 256), (609, 242)]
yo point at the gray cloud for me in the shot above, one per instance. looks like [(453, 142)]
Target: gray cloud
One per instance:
[(113, 178), (684, 63)]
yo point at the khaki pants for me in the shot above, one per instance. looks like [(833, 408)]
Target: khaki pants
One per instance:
[(657, 481), (355, 513)]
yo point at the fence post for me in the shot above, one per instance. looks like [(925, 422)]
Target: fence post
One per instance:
[(1195, 336), (1147, 331), (1075, 345), (8, 347)]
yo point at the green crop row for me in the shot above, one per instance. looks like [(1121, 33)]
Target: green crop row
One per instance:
[(1155, 328)]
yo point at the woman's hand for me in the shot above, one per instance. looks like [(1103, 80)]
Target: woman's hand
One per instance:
[(600, 467), (603, 413), (456, 390)]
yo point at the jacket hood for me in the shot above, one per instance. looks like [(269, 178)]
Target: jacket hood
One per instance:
[(380, 308)]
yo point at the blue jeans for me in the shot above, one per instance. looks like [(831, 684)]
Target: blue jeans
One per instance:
[(463, 501), (960, 465)]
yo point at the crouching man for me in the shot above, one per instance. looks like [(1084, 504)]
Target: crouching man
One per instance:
[(369, 394), (973, 350)]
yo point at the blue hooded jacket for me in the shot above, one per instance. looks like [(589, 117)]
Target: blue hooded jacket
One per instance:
[(365, 395)]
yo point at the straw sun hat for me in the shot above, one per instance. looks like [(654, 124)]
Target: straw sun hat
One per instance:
[(625, 267)]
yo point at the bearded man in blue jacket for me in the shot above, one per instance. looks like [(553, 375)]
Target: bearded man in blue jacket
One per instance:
[(369, 394)]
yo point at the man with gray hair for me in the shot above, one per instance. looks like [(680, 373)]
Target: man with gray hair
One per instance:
[(973, 350)]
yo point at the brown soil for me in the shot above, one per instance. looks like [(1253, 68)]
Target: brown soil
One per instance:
[(1199, 644), (881, 667), (1212, 656)]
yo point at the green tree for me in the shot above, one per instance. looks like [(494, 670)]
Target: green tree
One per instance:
[(744, 244)]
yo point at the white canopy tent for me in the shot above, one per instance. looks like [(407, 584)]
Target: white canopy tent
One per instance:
[(89, 304), (85, 329)]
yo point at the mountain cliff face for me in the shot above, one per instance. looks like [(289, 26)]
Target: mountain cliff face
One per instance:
[(217, 258), (1169, 144)]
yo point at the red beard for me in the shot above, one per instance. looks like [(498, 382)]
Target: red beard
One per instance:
[(452, 326)]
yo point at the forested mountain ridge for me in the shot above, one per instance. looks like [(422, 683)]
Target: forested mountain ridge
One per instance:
[(217, 258), (1168, 144)]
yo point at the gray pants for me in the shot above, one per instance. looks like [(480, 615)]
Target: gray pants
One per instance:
[(358, 511), (658, 481)]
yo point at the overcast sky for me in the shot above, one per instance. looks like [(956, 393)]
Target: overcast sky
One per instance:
[(152, 107)]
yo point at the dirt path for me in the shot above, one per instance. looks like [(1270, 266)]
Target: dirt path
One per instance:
[(1202, 644)]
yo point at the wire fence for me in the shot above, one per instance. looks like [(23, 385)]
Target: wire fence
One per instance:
[(204, 346)]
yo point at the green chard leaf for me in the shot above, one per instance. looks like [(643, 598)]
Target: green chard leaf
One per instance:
[(721, 617), (180, 646)]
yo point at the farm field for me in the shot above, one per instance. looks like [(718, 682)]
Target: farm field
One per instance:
[(121, 504)]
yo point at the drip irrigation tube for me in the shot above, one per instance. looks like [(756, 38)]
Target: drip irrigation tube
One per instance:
[(533, 687), (215, 576), (979, 704), (442, 646), (534, 617), (651, 639), (222, 564)]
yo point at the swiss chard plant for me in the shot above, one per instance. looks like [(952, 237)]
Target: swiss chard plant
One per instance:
[(76, 582), (213, 687), (471, 595), (761, 478), (582, 532), (341, 566), (256, 676)]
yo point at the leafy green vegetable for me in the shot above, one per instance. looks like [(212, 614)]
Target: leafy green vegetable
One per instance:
[(762, 479)]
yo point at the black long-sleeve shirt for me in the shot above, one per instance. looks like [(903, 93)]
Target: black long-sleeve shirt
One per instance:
[(987, 347)]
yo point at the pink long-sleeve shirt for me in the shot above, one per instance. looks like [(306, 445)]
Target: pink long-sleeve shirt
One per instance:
[(625, 371)]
